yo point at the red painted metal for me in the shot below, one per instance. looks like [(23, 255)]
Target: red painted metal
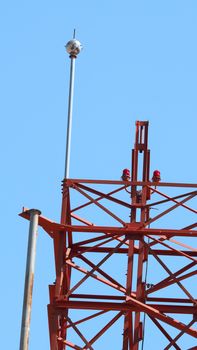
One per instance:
[(124, 213)]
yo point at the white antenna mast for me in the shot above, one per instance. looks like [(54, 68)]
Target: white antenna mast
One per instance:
[(73, 47)]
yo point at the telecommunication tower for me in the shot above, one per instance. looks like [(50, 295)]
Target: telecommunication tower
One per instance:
[(142, 271)]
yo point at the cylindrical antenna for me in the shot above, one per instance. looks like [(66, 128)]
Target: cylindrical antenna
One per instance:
[(73, 47), (29, 279)]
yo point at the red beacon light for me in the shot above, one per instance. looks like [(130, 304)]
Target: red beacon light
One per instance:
[(126, 175), (156, 176)]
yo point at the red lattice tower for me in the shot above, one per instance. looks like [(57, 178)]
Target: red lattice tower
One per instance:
[(102, 270)]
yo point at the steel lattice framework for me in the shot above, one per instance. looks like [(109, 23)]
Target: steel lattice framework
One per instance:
[(89, 257)]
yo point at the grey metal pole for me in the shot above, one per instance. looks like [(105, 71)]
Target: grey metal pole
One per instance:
[(73, 47), (70, 113), (29, 279)]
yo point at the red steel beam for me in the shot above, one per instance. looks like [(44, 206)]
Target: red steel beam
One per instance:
[(83, 249), (70, 344), (173, 341), (117, 297), (174, 200), (52, 228), (110, 213), (166, 280), (85, 319), (178, 204), (73, 325), (128, 306), (168, 199), (163, 331), (128, 230), (105, 328), (99, 198), (70, 182), (128, 318)]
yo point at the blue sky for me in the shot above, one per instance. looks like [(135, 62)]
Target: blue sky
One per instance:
[(138, 63)]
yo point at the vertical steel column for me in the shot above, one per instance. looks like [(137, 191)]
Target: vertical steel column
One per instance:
[(131, 325), (128, 320), (141, 146), (29, 279)]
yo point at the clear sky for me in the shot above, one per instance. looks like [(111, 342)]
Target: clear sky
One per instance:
[(138, 63)]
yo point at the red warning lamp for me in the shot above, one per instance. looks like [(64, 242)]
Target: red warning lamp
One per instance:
[(126, 175), (156, 176)]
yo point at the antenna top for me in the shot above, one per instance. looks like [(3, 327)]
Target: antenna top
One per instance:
[(73, 47)]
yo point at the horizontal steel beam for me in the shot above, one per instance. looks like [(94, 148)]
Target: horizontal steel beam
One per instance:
[(125, 251), (117, 297), (90, 305), (69, 182), (130, 230)]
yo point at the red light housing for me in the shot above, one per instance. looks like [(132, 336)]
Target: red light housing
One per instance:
[(156, 176), (126, 175)]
